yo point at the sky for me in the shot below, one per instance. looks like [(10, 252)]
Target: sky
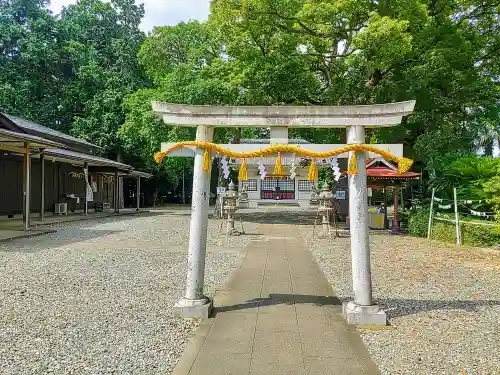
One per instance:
[(159, 12)]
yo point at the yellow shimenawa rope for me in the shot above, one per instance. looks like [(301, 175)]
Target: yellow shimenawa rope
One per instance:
[(404, 164)]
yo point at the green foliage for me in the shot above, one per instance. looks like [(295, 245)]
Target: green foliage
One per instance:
[(384, 41), (418, 223), (168, 47), (476, 178), (360, 52), (143, 132), (71, 72), (106, 68), (472, 234), (93, 73)]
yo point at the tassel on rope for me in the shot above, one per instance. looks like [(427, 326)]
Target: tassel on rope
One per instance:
[(278, 167), (353, 165), (313, 171), (404, 165), (159, 156), (242, 174), (206, 160)]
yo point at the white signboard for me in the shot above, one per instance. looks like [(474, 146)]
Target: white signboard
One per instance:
[(340, 195), (221, 190)]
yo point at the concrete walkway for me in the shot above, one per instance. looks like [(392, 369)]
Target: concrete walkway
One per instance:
[(277, 315)]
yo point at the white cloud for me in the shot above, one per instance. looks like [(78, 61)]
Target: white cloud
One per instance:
[(159, 12)]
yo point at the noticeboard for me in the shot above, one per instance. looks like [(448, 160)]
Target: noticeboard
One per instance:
[(340, 195)]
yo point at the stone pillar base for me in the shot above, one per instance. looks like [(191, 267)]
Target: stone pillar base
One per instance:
[(357, 314), (199, 308)]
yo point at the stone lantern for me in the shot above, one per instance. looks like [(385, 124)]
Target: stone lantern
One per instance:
[(314, 199), (326, 207), (229, 207), (243, 201)]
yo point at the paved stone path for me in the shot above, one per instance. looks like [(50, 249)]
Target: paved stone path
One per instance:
[(277, 315)]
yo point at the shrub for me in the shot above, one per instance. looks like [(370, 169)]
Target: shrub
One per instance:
[(418, 222), (473, 235), (479, 235)]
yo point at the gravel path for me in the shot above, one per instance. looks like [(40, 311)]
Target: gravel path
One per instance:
[(443, 304), (97, 296)]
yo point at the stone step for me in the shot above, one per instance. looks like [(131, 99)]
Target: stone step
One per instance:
[(279, 203)]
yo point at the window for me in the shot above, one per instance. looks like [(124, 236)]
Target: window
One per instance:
[(268, 184), (305, 185), (277, 188), (250, 185), (286, 184)]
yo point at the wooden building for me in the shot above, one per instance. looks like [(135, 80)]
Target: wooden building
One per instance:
[(43, 170)]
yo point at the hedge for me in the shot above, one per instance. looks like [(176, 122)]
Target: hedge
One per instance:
[(473, 235)]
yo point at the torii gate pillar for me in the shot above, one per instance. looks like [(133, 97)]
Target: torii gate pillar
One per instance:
[(361, 310), (194, 303)]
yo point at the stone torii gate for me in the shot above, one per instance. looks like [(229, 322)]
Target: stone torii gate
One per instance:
[(279, 119)]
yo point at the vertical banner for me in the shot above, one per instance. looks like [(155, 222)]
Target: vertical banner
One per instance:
[(90, 193)]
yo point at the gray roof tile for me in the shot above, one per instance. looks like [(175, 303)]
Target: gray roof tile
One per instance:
[(40, 129)]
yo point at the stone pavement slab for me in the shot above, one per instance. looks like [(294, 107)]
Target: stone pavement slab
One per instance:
[(277, 315)]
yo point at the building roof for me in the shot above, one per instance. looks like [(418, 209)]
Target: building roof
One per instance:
[(380, 169), (56, 145), (15, 139), (45, 132), (141, 174), (92, 160)]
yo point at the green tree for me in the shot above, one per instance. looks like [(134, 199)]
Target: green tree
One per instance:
[(475, 178), (71, 72), (100, 40), (186, 64), (30, 79), (351, 52), (268, 52)]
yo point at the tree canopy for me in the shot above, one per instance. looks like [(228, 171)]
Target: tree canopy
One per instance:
[(92, 72), (71, 72), (269, 52)]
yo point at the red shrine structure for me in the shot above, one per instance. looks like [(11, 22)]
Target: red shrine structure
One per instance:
[(382, 174)]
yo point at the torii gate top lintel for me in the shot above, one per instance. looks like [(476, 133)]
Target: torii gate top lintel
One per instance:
[(376, 115)]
